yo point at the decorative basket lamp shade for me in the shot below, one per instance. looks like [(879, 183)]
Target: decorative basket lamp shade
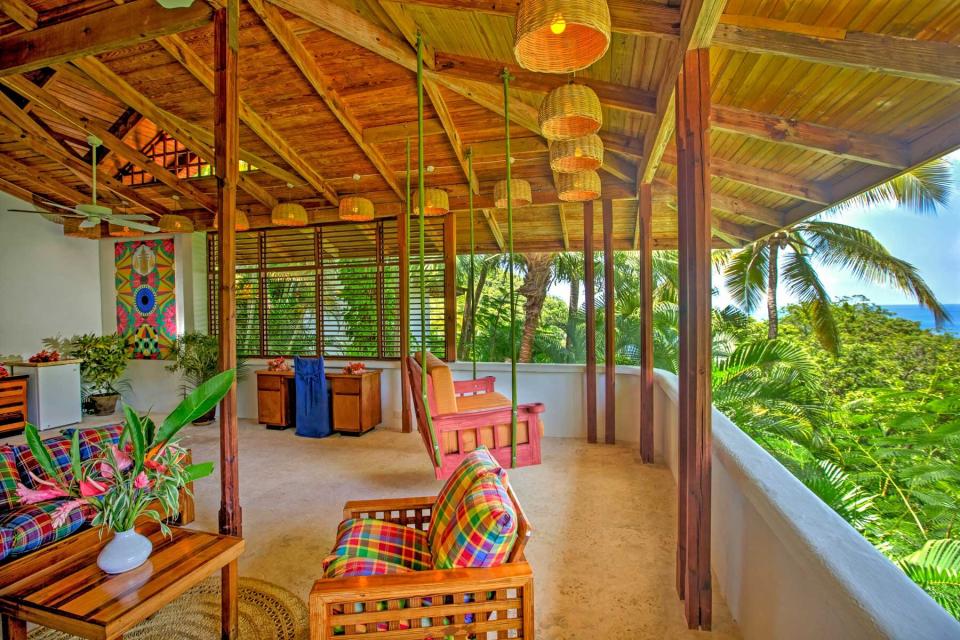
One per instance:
[(72, 229), (241, 223), (576, 155), (120, 231), (578, 187), (355, 208), (436, 202), (173, 223), (520, 193), (570, 111), (561, 36), (289, 214)]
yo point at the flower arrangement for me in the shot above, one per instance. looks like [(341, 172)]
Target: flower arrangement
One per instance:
[(140, 478), (46, 356), (3, 372), (355, 368), (278, 364)]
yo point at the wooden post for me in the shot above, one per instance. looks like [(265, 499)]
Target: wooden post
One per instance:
[(404, 251), (646, 323), (609, 326), (450, 285), (590, 301), (693, 187), (227, 144)]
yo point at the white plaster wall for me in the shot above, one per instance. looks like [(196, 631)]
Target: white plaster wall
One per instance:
[(788, 565), (49, 283)]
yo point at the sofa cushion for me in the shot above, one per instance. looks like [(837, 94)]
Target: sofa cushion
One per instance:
[(9, 477), (473, 465), (59, 448), (6, 542), (32, 525), (481, 401), (482, 532), (349, 566), (444, 394), (381, 540), (93, 439)]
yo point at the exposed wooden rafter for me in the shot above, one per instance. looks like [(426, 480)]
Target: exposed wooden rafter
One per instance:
[(322, 84), (401, 131), (114, 28), (491, 218), (20, 12), (565, 209), (199, 69), (37, 179)]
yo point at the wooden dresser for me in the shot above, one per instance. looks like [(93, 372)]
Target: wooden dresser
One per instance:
[(355, 399), (13, 403)]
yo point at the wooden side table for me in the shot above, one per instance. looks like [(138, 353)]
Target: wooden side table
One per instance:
[(356, 400), (13, 403)]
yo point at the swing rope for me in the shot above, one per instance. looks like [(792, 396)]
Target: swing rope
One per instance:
[(423, 302), (471, 284), (513, 297)]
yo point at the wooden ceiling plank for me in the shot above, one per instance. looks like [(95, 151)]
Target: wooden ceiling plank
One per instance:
[(698, 20), (401, 131), (318, 79), (41, 96), (928, 60), (199, 69), (666, 190), (113, 28), (26, 173), (193, 137), (491, 219), (851, 145), (20, 12)]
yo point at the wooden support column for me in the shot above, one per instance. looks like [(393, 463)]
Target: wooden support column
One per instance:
[(693, 185), (609, 329), (404, 251), (589, 296), (226, 131), (450, 285), (646, 322)]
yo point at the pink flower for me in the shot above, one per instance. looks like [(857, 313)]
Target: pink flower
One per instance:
[(153, 465), (92, 488), (49, 491), (63, 511), (141, 481), (123, 460)]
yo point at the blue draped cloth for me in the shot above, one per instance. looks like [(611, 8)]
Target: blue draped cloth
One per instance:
[(313, 403)]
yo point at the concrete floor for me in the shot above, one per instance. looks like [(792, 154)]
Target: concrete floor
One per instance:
[(603, 547)]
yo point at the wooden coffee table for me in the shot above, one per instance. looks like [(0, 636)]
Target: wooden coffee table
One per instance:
[(61, 587)]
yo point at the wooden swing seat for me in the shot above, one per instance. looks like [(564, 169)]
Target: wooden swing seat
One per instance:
[(469, 413)]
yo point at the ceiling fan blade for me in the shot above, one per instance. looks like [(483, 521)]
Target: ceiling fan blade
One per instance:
[(61, 215), (51, 203), (149, 228), (135, 217), (89, 223)]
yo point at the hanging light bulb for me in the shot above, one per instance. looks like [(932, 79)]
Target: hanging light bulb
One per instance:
[(355, 208), (559, 25)]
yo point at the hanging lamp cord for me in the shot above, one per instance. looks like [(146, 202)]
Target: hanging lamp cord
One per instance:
[(423, 302), (513, 296)]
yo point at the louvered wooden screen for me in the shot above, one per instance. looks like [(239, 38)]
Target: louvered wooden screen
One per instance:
[(332, 289)]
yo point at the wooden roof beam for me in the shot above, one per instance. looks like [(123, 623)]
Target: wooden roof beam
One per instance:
[(114, 28), (566, 209), (26, 88), (321, 83), (927, 60), (69, 194), (666, 191), (488, 215), (20, 12), (199, 69)]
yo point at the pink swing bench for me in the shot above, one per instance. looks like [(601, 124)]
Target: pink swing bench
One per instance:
[(469, 413)]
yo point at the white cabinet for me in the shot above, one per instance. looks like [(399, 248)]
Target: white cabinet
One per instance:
[(53, 392)]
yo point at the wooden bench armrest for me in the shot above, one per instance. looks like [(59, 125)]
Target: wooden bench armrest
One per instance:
[(384, 506), (480, 385), (470, 419)]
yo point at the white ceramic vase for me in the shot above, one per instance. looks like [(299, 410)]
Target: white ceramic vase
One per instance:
[(127, 550)]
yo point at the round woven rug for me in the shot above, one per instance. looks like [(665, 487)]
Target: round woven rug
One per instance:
[(267, 612)]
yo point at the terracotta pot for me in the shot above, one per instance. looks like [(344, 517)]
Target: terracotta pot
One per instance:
[(207, 418), (104, 404)]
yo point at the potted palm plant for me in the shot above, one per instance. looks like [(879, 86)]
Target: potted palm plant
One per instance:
[(104, 361), (195, 357)]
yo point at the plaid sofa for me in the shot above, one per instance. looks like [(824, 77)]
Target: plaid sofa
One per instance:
[(28, 527)]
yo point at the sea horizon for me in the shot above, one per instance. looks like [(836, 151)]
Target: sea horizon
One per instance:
[(924, 316)]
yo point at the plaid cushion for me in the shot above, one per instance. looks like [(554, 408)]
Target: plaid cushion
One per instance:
[(32, 525), (482, 532), (9, 477), (94, 439), (470, 468), (6, 542), (380, 540), (59, 448), (348, 566)]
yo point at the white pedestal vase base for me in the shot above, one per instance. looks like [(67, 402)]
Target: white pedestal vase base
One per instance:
[(126, 551)]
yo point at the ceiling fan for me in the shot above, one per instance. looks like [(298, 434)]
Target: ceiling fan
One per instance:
[(91, 212)]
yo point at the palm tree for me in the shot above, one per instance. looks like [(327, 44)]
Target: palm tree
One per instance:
[(539, 275), (568, 267), (758, 268)]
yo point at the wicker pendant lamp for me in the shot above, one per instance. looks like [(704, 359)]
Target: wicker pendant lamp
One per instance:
[(72, 229), (241, 223), (579, 154), (561, 36), (570, 111), (289, 214), (520, 192), (436, 202), (174, 223), (578, 187), (355, 208)]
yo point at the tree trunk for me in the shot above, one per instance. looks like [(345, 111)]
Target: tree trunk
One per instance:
[(773, 277), (572, 312), (470, 303), (534, 289)]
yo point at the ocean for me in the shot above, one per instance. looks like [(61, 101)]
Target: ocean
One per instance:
[(925, 318)]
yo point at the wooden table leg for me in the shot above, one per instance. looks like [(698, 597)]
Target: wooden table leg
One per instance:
[(14, 629), (228, 605)]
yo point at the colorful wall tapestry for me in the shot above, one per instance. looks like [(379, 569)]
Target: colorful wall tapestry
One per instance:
[(146, 297)]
